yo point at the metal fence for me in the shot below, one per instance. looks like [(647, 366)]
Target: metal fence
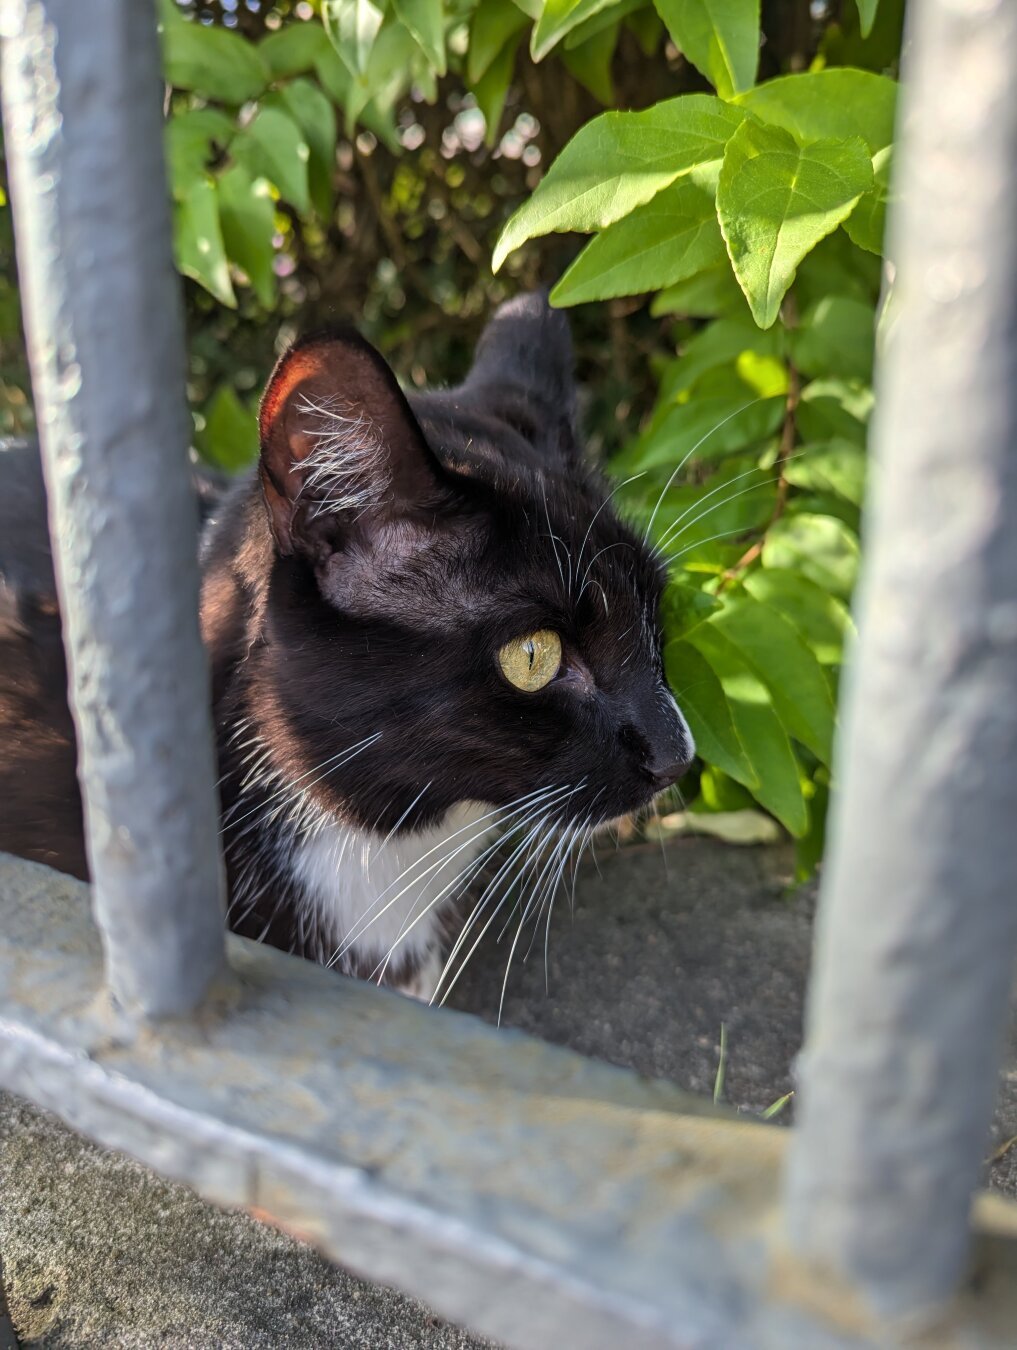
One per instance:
[(531, 1194)]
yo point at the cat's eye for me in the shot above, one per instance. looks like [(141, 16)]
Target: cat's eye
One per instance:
[(532, 661)]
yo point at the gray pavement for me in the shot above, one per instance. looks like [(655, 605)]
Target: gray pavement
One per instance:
[(661, 950)]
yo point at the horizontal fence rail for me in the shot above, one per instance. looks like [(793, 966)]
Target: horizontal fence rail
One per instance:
[(534, 1195)]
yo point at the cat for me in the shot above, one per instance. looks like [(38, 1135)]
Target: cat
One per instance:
[(433, 644)]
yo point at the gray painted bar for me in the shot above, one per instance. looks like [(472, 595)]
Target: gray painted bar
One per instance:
[(81, 89), (918, 921)]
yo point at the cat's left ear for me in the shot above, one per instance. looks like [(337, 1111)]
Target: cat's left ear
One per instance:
[(525, 361), (338, 442)]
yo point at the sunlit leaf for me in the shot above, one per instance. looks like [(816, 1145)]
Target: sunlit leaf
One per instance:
[(273, 146), (719, 37), (767, 747), (315, 116), (705, 707), (247, 213), (776, 199), (822, 620), (197, 241), (867, 14), (838, 467), (618, 161), (425, 19), (783, 661), (353, 26), (820, 547), (673, 236), (557, 18)]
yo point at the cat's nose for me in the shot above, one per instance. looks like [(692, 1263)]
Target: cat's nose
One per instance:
[(666, 768)]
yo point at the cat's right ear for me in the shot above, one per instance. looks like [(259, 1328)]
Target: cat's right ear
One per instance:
[(339, 443)]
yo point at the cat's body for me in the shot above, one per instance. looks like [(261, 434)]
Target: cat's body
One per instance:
[(359, 596)]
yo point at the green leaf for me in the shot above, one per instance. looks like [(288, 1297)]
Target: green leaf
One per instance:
[(778, 786), (820, 547), (832, 104), (781, 658), (197, 241), (866, 225), (426, 21), (557, 18), (589, 62), (673, 236), (776, 199), (831, 408), (247, 215), (293, 49), (838, 103), (491, 89), (647, 29), (274, 146), (718, 344), (718, 791), (531, 8), (618, 161), (606, 18), (706, 428), (393, 65), (208, 60), (315, 116), (809, 848), (719, 37), (493, 24), (705, 707), (353, 26), (867, 15), (684, 608), (837, 467), (190, 140), (823, 622), (707, 295), (835, 336), (229, 438)]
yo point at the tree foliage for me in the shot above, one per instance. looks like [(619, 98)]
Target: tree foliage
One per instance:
[(412, 161)]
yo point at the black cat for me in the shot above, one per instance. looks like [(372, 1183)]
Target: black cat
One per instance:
[(428, 630)]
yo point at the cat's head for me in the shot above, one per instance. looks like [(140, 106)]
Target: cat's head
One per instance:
[(453, 598)]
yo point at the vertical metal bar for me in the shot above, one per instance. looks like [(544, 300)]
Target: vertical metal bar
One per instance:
[(82, 111), (918, 914)]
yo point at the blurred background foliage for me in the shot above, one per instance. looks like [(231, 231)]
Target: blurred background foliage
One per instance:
[(362, 159)]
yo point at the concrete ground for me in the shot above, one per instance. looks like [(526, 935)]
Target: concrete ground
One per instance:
[(662, 949)]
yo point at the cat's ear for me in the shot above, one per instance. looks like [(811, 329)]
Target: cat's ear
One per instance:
[(525, 352), (338, 443)]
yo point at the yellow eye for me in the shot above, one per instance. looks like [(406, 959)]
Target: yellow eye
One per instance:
[(532, 661)]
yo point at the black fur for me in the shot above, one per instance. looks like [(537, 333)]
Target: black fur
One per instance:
[(478, 521)]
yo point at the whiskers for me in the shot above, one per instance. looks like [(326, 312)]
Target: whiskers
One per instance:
[(536, 839)]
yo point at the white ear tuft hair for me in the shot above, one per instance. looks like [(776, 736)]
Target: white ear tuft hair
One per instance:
[(347, 468)]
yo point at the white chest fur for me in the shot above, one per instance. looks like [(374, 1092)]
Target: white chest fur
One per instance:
[(381, 901)]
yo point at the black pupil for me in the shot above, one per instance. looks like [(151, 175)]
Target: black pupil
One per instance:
[(531, 652)]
